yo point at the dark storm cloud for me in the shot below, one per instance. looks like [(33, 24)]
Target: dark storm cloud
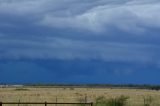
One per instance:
[(80, 29)]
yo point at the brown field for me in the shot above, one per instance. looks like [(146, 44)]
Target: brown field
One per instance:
[(67, 94)]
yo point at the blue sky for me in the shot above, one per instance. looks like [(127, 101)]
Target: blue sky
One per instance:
[(80, 41)]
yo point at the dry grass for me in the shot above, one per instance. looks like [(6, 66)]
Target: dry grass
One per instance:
[(76, 94)]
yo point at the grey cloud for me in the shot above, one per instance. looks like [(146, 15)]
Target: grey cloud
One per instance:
[(96, 16), (58, 48), (130, 16)]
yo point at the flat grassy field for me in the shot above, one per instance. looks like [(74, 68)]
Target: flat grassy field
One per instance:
[(68, 94)]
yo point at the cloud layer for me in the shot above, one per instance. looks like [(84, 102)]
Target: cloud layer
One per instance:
[(126, 30), (99, 15)]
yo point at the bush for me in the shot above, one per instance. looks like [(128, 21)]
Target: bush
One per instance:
[(148, 100), (119, 101), (101, 101), (72, 88)]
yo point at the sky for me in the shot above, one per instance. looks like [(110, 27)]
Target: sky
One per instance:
[(80, 41)]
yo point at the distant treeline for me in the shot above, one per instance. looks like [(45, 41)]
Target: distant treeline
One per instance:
[(128, 86)]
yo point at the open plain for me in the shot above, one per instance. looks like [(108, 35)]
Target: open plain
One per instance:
[(137, 97)]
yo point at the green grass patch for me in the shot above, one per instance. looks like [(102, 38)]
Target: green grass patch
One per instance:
[(118, 101), (21, 89)]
